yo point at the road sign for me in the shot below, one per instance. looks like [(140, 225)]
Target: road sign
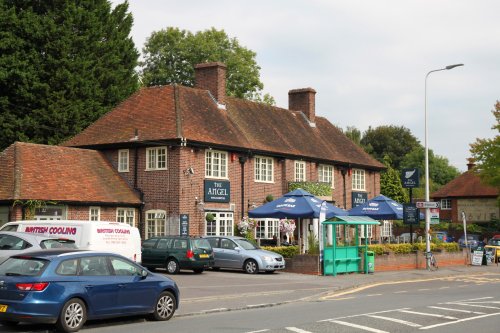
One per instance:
[(427, 204)]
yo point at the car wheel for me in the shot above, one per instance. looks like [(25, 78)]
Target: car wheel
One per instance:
[(198, 270), (73, 316), (173, 266), (165, 306), (8, 323), (250, 266)]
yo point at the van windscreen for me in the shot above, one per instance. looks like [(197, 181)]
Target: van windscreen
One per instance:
[(201, 244)]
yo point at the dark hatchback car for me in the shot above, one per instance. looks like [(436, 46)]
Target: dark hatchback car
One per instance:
[(67, 287), (176, 252)]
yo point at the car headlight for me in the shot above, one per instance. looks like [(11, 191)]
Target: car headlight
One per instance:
[(267, 258)]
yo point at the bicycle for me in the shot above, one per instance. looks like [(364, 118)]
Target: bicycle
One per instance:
[(433, 265)]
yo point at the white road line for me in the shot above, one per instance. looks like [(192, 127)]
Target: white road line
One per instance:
[(428, 314), (460, 320), (399, 321), (475, 299), (400, 292), (295, 329), (457, 310), (371, 295), (363, 314), (476, 305), (260, 331), (361, 327)]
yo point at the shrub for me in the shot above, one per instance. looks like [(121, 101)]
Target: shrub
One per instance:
[(378, 249), (400, 248), (285, 251), (451, 247)]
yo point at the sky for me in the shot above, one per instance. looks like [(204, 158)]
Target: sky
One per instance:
[(366, 59)]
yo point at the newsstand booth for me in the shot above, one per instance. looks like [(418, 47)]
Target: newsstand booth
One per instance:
[(342, 251)]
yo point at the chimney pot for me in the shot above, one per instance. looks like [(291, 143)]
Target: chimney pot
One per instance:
[(303, 100), (211, 76)]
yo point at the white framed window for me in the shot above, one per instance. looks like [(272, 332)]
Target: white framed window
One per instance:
[(156, 221), (358, 179), (216, 164), (156, 158), (221, 225), (325, 174), (126, 215), (264, 169), (123, 160), (267, 228), (445, 204), (94, 213), (300, 171), (368, 231), (386, 230)]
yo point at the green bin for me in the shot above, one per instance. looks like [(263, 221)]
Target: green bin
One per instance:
[(370, 259)]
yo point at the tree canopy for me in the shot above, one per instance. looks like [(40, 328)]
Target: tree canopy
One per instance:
[(486, 153), (171, 54), (390, 183), (63, 64)]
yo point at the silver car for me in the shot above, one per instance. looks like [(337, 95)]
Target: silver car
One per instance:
[(239, 253), (13, 243)]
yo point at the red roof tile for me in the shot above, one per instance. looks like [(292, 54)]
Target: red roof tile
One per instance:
[(172, 112), (42, 172), (467, 184)]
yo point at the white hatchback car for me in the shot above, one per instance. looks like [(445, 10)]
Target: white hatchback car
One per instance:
[(13, 243), (239, 253)]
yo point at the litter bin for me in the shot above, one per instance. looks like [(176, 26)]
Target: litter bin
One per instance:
[(370, 259)]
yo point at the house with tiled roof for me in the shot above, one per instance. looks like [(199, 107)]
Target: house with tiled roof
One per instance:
[(200, 159), (62, 183), (468, 194)]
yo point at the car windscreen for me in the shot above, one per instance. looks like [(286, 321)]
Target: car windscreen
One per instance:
[(494, 242), (201, 244), (57, 244), (245, 244), (23, 266)]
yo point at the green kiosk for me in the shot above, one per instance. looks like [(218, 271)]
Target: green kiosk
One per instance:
[(342, 255)]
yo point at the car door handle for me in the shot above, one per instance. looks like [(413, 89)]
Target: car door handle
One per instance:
[(121, 285), (89, 286)]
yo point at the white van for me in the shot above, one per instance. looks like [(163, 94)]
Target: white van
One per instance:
[(115, 237)]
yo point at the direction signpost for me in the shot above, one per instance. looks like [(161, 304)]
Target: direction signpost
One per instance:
[(427, 204)]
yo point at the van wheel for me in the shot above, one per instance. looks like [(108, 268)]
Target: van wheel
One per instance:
[(8, 323), (73, 315), (198, 270), (165, 306), (251, 267), (172, 266)]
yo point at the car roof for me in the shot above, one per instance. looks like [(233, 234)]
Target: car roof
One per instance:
[(54, 253), (230, 237), (29, 235)]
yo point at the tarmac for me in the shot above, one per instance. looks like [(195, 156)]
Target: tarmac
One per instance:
[(224, 290)]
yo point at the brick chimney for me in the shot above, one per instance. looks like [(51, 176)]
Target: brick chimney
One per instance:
[(303, 100), (211, 76), (471, 164)]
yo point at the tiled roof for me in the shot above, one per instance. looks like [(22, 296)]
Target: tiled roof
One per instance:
[(41, 172), (174, 112), (467, 184)]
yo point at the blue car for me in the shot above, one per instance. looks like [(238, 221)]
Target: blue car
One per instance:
[(66, 287)]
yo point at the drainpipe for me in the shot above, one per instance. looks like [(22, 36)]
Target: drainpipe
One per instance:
[(343, 171), (242, 160)]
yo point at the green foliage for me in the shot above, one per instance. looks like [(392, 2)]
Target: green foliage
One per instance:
[(317, 189), (486, 153), (400, 248), (31, 206), (269, 198), (354, 134), (209, 217), (171, 54), (406, 248), (285, 251), (394, 141), (313, 244), (378, 249), (390, 183), (63, 64), (451, 247)]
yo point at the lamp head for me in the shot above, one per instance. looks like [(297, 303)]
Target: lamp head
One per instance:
[(453, 66)]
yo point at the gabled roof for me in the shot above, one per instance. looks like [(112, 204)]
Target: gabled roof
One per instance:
[(466, 185), (174, 112), (53, 173)]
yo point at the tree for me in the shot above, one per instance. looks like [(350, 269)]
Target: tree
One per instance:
[(171, 54), (63, 64), (354, 134), (394, 141), (486, 153), (390, 183)]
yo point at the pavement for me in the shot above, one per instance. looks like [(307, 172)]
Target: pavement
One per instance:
[(224, 290)]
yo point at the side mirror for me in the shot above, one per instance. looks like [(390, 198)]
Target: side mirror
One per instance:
[(144, 273), (237, 249)]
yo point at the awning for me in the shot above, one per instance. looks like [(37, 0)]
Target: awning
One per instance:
[(353, 220)]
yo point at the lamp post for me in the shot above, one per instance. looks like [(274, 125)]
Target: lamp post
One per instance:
[(427, 211)]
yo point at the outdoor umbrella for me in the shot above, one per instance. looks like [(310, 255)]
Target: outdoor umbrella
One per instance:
[(296, 204), (379, 208)]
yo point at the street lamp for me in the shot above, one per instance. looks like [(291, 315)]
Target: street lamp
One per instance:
[(427, 212)]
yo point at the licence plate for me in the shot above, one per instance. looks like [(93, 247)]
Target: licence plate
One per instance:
[(204, 255), (3, 308)]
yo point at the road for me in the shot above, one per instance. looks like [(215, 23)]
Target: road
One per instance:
[(449, 304)]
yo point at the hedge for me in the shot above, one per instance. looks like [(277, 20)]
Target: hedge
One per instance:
[(285, 251)]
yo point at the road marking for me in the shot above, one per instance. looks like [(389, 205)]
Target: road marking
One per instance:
[(427, 314), (444, 288), (400, 292), (424, 289), (366, 328), (475, 305), (460, 320), (373, 295), (399, 321), (343, 298), (215, 310), (258, 331), (457, 310), (363, 314), (295, 329)]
